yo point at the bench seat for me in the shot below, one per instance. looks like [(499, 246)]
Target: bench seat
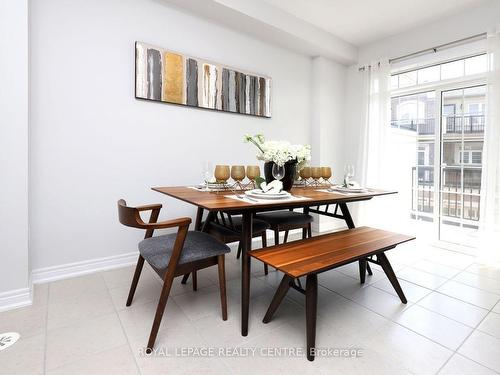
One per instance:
[(312, 256), (327, 251)]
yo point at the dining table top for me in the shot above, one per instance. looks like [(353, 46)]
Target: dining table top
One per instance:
[(301, 196)]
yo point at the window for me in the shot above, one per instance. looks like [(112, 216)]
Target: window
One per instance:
[(440, 72), (477, 157)]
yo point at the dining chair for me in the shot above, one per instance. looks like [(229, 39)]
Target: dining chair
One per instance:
[(286, 221), (172, 255), (228, 228)]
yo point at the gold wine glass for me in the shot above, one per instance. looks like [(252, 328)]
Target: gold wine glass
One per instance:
[(222, 173), (305, 174), (238, 174), (326, 174), (253, 171), (316, 174)]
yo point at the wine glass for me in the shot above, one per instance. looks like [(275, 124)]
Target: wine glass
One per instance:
[(316, 175), (278, 171), (326, 174), (305, 174), (238, 174), (207, 172), (222, 173), (348, 174), (253, 171)]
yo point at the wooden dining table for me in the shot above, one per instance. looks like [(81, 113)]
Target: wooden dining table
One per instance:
[(312, 200)]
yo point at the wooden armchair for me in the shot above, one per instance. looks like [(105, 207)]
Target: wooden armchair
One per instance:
[(172, 255)]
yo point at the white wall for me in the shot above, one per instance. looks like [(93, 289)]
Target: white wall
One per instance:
[(93, 143), (328, 126), (14, 264)]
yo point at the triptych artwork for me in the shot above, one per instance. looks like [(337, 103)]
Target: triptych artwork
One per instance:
[(167, 76)]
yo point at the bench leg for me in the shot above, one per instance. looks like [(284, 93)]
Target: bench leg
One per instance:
[(311, 307), (369, 269), (386, 266), (278, 297), (362, 270)]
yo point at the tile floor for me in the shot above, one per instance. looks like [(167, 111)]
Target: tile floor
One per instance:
[(451, 324)]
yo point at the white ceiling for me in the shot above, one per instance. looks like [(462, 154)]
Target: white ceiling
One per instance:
[(363, 21)]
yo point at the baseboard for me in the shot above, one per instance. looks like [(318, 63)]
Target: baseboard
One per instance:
[(14, 299), (64, 271)]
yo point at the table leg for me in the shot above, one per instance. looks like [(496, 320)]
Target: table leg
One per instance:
[(246, 241), (363, 264), (199, 218)]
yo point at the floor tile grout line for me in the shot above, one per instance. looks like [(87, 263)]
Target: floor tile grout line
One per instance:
[(463, 342), (390, 319), (121, 326), (417, 303)]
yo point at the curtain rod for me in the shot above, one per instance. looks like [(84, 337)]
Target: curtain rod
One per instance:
[(439, 47), (432, 49)]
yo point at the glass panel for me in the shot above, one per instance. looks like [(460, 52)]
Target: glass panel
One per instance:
[(474, 110), (430, 74), (452, 69), (475, 65), (462, 146), (407, 79)]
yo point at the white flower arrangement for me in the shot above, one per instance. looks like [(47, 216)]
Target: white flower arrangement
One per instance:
[(280, 152)]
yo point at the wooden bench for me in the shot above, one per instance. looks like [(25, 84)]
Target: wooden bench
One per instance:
[(312, 256)]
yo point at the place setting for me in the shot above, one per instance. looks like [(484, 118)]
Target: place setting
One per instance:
[(349, 186)]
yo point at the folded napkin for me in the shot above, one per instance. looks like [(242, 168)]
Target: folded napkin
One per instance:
[(273, 187), (352, 185)]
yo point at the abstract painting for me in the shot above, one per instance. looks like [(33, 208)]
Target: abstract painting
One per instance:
[(171, 77)]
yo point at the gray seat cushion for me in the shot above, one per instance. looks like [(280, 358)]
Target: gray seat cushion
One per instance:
[(277, 218), (198, 245)]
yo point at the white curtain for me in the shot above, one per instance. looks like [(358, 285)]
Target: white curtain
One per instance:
[(490, 199), (385, 157), (375, 124)]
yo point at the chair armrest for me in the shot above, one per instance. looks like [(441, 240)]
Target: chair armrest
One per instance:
[(180, 222), (149, 207)]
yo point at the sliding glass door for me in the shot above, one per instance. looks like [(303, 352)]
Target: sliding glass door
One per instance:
[(462, 138)]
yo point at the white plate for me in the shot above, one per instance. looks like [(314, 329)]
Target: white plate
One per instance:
[(349, 190), (257, 193)]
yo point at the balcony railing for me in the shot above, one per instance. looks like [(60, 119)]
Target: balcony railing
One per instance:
[(454, 198), (423, 126), (470, 124)]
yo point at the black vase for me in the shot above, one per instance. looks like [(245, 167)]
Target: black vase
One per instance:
[(290, 172)]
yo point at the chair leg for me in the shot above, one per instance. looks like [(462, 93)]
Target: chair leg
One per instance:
[(135, 280), (285, 240), (238, 254), (311, 309), (278, 297), (185, 278), (362, 270), (276, 237), (386, 266), (195, 281), (162, 302), (264, 244), (309, 230), (222, 285), (304, 233)]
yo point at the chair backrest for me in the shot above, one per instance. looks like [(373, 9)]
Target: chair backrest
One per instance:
[(129, 216)]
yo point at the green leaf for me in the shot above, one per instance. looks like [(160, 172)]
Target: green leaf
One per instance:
[(259, 180)]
